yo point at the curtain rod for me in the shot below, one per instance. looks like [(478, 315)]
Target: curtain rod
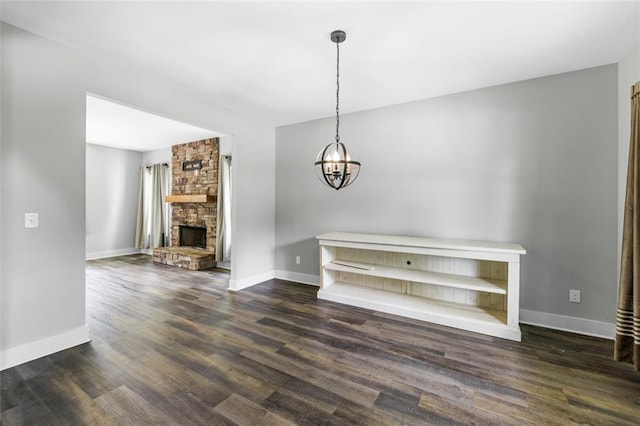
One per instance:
[(164, 164)]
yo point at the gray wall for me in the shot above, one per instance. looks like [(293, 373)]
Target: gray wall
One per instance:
[(534, 162), (226, 145), (157, 156), (43, 170), (112, 185)]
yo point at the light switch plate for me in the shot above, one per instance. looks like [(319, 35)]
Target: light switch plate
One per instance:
[(31, 220)]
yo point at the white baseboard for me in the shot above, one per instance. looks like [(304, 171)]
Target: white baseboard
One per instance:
[(576, 325), (111, 253), (298, 277), (237, 285), (584, 326), (34, 350)]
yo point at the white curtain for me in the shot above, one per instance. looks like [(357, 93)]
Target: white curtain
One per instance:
[(152, 229), (141, 224), (223, 229)]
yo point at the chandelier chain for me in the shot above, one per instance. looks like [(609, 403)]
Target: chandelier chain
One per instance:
[(334, 166), (337, 92)]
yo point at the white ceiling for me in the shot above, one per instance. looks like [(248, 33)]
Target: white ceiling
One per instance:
[(120, 126), (274, 61)]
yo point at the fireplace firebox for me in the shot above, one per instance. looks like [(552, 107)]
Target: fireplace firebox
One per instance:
[(192, 236)]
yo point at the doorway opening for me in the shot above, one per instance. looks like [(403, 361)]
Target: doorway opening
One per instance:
[(122, 142)]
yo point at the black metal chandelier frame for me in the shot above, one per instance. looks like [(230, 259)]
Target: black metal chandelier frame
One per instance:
[(333, 164)]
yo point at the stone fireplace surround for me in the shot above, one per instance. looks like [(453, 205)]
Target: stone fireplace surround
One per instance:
[(193, 203)]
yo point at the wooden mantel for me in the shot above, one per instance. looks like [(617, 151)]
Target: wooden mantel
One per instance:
[(190, 198)]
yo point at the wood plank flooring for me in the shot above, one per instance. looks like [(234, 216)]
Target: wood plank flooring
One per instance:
[(172, 346)]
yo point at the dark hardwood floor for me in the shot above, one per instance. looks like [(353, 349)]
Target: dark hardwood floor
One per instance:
[(172, 346)]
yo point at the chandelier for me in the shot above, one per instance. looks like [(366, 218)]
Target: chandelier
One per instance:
[(334, 166)]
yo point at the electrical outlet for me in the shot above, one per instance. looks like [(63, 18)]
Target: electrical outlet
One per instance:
[(31, 220), (574, 296), (297, 260)]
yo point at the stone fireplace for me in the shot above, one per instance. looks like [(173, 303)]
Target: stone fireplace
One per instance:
[(194, 189)]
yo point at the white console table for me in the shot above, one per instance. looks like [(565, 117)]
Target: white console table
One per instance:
[(469, 285)]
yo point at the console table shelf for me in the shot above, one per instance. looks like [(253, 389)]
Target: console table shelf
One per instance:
[(468, 285), (424, 277)]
